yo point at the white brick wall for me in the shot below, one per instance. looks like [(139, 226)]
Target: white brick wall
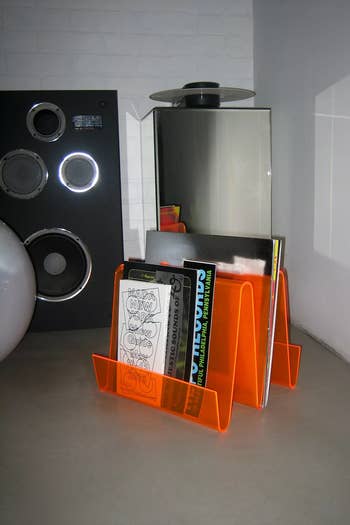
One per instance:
[(134, 46)]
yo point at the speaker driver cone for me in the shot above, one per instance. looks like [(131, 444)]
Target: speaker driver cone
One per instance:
[(23, 174), (79, 172), (61, 261), (46, 122)]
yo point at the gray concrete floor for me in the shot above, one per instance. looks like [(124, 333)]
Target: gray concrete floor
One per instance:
[(72, 455)]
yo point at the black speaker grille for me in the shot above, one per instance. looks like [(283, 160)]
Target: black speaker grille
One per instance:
[(79, 172), (23, 174)]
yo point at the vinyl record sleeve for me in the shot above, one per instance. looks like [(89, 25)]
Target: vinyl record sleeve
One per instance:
[(183, 281)]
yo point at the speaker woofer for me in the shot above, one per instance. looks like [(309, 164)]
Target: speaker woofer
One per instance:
[(61, 261), (79, 172), (23, 174), (46, 122)]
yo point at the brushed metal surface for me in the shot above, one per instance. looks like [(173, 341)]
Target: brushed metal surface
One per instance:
[(215, 163)]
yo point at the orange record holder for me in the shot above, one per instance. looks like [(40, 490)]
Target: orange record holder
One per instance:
[(177, 227), (237, 359)]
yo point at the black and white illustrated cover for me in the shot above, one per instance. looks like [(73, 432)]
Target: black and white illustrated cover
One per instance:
[(143, 324)]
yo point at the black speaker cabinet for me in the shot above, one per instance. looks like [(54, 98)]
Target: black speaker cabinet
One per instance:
[(60, 192)]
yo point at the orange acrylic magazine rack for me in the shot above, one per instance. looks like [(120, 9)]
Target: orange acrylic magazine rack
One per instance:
[(286, 356), (237, 357)]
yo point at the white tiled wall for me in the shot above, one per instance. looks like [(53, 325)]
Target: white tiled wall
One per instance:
[(134, 46)]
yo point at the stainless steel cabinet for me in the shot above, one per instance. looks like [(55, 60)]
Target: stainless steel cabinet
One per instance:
[(215, 163)]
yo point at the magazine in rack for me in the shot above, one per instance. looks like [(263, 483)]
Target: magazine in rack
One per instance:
[(254, 259)]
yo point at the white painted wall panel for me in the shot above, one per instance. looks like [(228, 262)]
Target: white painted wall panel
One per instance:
[(302, 70)]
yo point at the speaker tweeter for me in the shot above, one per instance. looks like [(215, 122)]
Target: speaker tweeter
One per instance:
[(46, 122)]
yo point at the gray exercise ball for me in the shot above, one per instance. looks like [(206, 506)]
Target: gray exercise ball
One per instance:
[(17, 290)]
